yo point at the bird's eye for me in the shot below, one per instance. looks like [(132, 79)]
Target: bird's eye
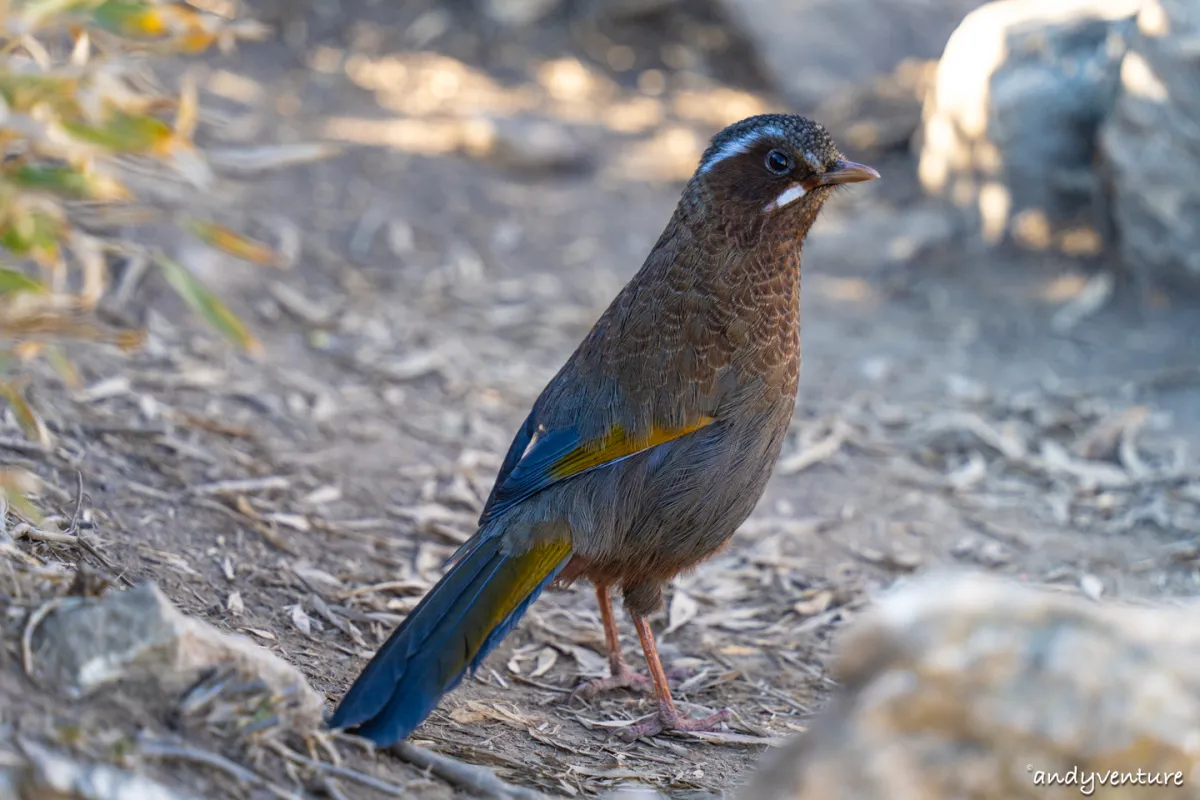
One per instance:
[(779, 162)]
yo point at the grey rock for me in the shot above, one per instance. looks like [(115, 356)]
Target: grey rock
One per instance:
[(1012, 120), (630, 10), (517, 13), (85, 645), (1151, 143), (51, 775), (971, 687), (524, 144), (881, 115), (816, 50)]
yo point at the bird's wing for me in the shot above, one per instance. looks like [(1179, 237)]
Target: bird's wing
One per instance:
[(541, 457)]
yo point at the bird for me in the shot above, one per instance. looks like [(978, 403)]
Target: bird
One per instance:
[(650, 446)]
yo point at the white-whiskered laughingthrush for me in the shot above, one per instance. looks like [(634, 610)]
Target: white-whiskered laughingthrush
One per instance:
[(653, 442)]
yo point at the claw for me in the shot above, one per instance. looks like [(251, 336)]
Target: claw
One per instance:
[(669, 719)]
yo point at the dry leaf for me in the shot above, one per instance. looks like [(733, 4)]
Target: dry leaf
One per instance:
[(814, 602), (301, 619), (683, 609), (547, 657)]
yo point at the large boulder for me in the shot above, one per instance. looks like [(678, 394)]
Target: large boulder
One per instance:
[(1152, 143), (1010, 125), (976, 688), (815, 51)]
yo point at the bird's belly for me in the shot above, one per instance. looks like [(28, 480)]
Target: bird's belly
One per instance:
[(674, 506)]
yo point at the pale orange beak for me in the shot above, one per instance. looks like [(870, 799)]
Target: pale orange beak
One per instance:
[(848, 172)]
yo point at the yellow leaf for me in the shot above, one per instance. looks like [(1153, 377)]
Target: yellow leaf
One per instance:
[(48, 324), (63, 365), (130, 339), (208, 305), (233, 243), (27, 351), (27, 418), (15, 487), (188, 110)]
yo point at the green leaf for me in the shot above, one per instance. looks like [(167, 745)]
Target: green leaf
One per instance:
[(66, 181), (208, 305), (31, 231), (123, 132), (58, 178), (12, 281), (131, 18)]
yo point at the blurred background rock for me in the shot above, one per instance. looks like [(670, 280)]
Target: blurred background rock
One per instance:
[(1151, 140)]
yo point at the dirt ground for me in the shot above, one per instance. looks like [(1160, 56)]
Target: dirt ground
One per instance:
[(950, 412)]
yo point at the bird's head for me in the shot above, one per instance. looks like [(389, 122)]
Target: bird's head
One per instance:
[(772, 171)]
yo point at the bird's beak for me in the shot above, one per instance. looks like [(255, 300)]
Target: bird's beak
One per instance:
[(848, 172)]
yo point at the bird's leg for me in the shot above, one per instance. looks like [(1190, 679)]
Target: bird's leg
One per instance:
[(668, 717), (620, 675)]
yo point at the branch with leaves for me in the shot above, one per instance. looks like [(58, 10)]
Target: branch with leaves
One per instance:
[(80, 113)]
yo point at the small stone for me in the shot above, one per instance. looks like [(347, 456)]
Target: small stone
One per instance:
[(138, 634), (51, 774)]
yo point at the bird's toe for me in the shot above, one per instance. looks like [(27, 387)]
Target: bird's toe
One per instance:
[(623, 678), (669, 719)]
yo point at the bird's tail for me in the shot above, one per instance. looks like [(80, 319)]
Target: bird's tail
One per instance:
[(453, 628)]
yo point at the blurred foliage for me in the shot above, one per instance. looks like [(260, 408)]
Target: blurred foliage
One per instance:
[(76, 106), (79, 113)]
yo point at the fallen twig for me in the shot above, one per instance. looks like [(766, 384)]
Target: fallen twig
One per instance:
[(336, 771), (242, 486), (155, 748), (36, 617), (468, 777)]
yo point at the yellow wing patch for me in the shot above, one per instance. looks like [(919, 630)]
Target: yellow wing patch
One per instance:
[(522, 575), (618, 444)]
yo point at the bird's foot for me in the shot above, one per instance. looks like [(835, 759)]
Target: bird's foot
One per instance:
[(622, 677), (668, 718)]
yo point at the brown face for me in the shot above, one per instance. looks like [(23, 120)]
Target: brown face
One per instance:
[(775, 167)]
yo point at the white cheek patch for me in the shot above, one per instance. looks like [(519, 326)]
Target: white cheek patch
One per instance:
[(741, 145), (788, 195)]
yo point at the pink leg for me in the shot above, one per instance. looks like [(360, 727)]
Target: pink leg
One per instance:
[(621, 676), (668, 716)]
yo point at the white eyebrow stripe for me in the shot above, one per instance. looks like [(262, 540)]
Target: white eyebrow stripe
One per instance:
[(788, 195), (741, 145)]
